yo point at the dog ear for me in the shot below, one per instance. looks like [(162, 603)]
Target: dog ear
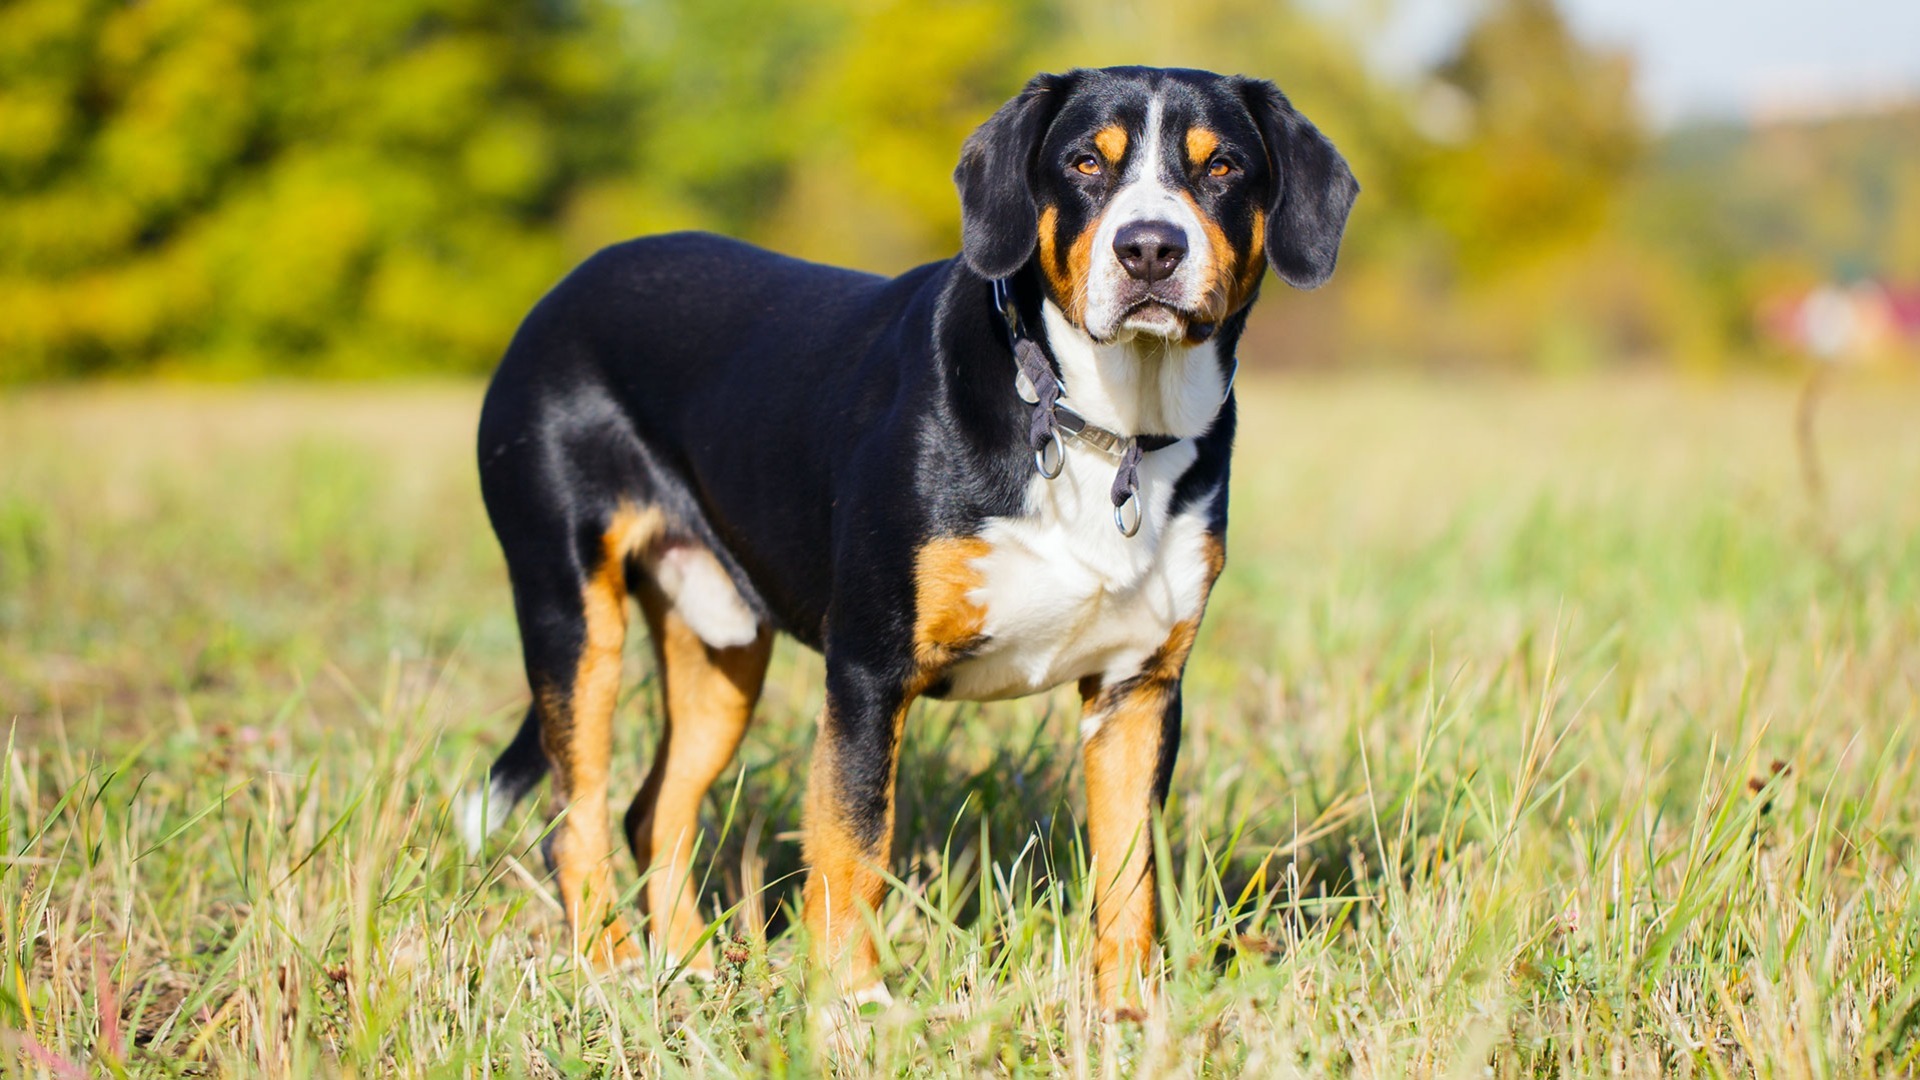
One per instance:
[(999, 221), (1312, 189)]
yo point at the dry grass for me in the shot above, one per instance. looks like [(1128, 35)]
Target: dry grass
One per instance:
[(1537, 728)]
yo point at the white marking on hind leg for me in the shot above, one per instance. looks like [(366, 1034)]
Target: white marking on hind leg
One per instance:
[(699, 589)]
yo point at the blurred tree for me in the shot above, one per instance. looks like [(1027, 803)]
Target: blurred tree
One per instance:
[(1526, 136), (1550, 133), (294, 184), (879, 123)]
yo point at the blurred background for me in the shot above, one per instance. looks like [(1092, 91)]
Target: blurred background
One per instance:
[(231, 188)]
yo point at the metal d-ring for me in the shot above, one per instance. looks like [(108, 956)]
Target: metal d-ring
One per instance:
[(1120, 517), (1059, 455)]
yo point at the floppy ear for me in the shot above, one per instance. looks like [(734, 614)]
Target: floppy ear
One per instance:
[(1312, 189), (999, 222)]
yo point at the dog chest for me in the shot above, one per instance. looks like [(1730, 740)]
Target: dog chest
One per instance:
[(1057, 593)]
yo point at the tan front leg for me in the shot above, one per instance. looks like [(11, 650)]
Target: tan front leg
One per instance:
[(849, 836), (1124, 760), (1128, 757)]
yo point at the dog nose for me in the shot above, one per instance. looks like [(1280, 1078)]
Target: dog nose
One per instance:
[(1150, 250)]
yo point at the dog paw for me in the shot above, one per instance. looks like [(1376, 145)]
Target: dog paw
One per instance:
[(612, 949), (845, 1026)]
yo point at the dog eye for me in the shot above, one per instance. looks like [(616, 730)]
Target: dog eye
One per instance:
[(1219, 167), (1087, 164)]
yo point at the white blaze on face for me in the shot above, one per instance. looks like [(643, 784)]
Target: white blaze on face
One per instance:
[(1146, 194)]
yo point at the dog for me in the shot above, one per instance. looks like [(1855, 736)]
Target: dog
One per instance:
[(982, 479)]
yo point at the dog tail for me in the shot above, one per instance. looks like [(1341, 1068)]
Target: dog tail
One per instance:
[(519, 767)]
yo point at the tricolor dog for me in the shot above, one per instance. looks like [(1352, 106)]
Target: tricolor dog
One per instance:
[(981, 479)]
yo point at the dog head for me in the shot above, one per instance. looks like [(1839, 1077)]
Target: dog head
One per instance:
[(1152, 200)]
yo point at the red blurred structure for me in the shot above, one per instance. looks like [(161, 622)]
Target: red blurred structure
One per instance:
[(1846, 323)]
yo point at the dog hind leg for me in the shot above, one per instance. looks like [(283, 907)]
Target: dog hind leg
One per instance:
[(573, 620), (708, 692), (521, 766)]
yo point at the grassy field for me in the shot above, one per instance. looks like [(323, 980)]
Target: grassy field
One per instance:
[(1537, 729)]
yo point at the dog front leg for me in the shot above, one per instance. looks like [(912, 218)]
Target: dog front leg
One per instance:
[(848, 822), (1132, 735)]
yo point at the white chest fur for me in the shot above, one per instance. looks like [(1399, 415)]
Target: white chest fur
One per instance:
[(1064, 594)]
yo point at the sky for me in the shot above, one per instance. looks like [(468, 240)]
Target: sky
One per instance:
[(1719, 58)]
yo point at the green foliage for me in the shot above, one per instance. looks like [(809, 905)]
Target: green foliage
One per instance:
[(244, 185), (1551, 132)]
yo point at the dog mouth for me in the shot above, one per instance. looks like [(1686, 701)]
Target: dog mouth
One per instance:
[(1159, 316)]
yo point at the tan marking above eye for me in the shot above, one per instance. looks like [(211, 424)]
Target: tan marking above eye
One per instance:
[(1112, 142), (1201, 143)]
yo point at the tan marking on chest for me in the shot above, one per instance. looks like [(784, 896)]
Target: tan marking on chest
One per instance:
[(1215, 553), (946, 622)]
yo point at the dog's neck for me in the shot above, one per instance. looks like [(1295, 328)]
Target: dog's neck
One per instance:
[(1140, 384)]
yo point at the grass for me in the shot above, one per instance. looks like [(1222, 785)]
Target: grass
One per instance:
[(1537, 729)]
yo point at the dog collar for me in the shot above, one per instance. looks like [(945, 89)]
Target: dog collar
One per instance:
[(1034, 380)]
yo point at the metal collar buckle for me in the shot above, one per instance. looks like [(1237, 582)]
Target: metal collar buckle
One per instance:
[(1039, 386)]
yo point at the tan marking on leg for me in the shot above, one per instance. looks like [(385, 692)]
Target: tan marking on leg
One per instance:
[(1122, 762), (946, 621), (1170, 658), (578, 739), (708, 696), (1112, 143), (844, 883), (632, 530), (1201, 143)]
